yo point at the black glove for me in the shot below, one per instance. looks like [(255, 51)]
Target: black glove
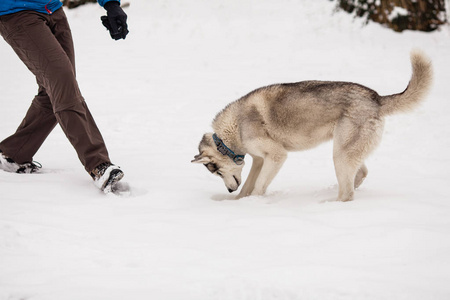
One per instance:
[(116, 21)]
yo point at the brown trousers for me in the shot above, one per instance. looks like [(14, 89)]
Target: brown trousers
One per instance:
[(44, 43)]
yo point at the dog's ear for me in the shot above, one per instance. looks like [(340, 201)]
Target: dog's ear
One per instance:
[(200, 159)]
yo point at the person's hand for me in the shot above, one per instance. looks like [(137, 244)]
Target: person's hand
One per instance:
[(115, 21)]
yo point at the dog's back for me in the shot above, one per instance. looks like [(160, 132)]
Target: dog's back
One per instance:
[(301, 115)]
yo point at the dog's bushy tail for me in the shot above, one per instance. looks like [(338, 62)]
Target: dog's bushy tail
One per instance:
[(418, 87)]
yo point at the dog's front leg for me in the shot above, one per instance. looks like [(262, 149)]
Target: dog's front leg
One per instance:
[(252, 176), (271, 165)]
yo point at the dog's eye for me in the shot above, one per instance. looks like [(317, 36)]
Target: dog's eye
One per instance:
[(220, 174), (211, 167)]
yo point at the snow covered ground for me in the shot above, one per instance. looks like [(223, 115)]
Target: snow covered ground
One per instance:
[(179, 236)]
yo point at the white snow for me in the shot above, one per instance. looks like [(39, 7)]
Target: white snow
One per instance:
[(397, 12), (179, 236)]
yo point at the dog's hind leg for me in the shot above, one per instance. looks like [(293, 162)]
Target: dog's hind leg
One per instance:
[(361, 175), (353, 142), (252, 176), (346, 170), (271, 165)]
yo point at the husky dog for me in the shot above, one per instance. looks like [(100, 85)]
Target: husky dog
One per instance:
[(271, 121)]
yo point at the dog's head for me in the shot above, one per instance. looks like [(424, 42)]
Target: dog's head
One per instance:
[(218, 163)]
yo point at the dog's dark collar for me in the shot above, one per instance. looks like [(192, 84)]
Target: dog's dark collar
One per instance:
[(222, 148)]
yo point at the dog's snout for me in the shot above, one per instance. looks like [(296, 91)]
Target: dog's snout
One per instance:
[(231, 190)]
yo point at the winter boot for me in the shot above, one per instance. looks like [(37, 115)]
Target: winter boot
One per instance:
[(9, 165), (106, 176)]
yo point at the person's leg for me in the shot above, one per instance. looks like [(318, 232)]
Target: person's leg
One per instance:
[(77, 121), (44, 44), (32, 132)]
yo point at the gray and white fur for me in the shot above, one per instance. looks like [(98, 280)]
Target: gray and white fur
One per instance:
[(274, 120)]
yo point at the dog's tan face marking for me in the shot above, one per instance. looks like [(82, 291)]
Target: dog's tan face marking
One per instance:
[(230, 174), (220, 165)]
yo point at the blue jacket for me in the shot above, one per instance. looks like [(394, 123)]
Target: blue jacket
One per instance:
[(42, 6)]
